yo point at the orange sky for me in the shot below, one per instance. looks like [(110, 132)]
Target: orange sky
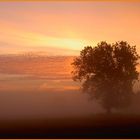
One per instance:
[(64, 28)]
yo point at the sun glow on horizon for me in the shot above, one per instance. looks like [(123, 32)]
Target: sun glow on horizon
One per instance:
[(47, 27), (26, 40)]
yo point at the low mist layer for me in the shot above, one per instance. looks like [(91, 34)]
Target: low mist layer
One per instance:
[(41, 87), (32, 87)]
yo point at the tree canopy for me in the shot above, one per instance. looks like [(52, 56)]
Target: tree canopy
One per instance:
[(108, 72)]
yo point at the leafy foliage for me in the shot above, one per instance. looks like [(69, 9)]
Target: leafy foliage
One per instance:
[(107, 72)]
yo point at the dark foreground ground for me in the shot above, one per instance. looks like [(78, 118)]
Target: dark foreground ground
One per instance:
[(96, 126)]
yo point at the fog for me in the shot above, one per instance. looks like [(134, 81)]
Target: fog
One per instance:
[(31, 104), (42, 87), (34, 87)]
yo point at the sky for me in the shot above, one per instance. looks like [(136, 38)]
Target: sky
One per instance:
[(64, 28)]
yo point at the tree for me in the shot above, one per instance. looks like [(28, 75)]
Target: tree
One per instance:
[(108, 72)]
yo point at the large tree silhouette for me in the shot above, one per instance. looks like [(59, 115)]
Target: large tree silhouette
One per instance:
[(108, 72)]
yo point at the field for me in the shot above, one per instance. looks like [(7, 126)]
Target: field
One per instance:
[(95, 126)]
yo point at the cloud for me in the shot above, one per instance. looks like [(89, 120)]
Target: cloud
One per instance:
[(57, 87)]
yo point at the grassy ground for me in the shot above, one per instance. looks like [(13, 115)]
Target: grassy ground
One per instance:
[(95, 126)]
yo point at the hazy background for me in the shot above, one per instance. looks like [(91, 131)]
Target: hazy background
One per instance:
[(38, 41), (32, 87)]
